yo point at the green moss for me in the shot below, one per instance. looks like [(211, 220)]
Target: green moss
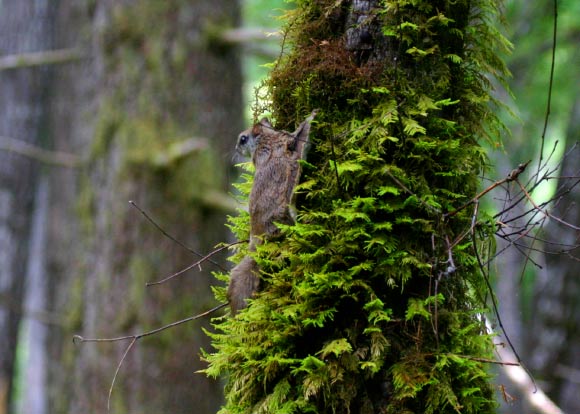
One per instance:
[(362, 310)]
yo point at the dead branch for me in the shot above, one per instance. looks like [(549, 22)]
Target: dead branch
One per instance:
[(510, 177), (528, 224), (545, 212), (45, 57), (551, 83), (57, 158), (485, 273), (81, 339), (117, 373), (170, 237), (198, 263)]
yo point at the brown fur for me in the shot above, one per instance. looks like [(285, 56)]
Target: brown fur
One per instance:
[(275, 155)]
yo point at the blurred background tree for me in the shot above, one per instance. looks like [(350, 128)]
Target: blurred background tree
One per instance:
[(538, 294), (148, 100), (23, 29)]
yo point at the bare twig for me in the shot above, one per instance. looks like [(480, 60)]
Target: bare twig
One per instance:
[(510, 177), (448, 271), (491, 361), (117, 373), (552, 66), (545, 212), (158, 227), (198, 263), (495, 307), (81, 339)]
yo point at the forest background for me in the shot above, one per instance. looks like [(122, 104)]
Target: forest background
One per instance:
[(143, 102)]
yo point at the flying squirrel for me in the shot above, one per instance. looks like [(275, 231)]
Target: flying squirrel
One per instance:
[(275, 155)]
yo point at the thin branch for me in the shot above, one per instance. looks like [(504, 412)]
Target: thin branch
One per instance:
[(488, 361), (510, 177), (547, 213), (535, 181), (46, 57), (449, 270), (529, 256), (552, 66), (467, 232), (135, 338), (158, 227), (496, 308), (510, 244), (81, 339), (555, 243), (61, 159), (198, 263), (117, 373)]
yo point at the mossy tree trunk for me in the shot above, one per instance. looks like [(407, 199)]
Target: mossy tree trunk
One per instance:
[(372, 302), (151, 107)]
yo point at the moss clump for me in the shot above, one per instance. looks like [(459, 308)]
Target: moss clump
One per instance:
[(371, 300)]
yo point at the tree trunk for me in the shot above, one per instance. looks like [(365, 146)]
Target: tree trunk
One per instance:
[(370, 302), (24, 27), (150, 109), (555, 358), (534, 299)]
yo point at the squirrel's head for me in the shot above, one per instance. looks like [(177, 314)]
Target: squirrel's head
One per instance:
[(248, 140), (262, 141)]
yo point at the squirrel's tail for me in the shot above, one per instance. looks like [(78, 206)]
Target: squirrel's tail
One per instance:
[(244, 283)]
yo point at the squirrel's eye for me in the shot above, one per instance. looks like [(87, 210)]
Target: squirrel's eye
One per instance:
[(243, 139)]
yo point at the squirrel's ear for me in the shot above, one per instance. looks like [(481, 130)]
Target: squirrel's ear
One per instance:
[(303, 129), (266, 122), (301, 134)]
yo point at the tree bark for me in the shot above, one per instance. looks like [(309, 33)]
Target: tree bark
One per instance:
[(152, 78)]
